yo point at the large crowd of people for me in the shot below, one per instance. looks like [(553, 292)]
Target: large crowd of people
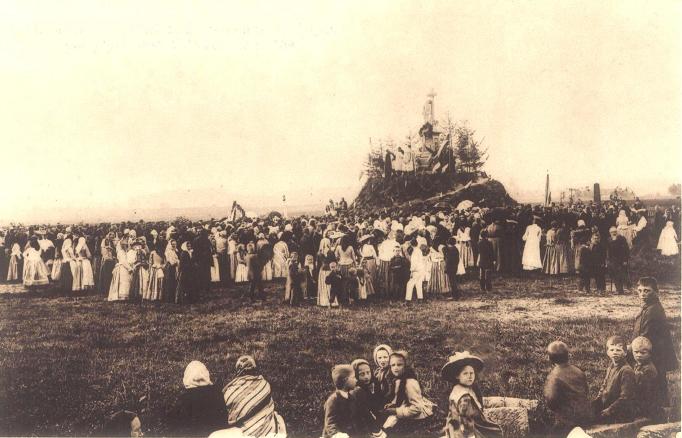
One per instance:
[(338, 259), (342, 259)]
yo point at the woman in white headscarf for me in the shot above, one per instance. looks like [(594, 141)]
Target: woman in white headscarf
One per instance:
[(122, 273), (15, 260), (279, 259), (72, 266), (83, 257), (200, 408)]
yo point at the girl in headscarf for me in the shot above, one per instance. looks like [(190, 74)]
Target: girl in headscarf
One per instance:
[(35, 271), (108, 251), (15, 261), (83, 256), (140, 280), (186, 276), (438, 281), (57, 264), (121, 275), (200, 409), (409, 404), (279, 259), (248, 399), (170, 273), (242, 272), (71, 273), (382, 373), (155, 287)]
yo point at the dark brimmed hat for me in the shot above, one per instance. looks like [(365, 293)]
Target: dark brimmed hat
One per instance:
[(457, 361)]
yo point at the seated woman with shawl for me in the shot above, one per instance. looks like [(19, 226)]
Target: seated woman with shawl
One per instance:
[(249, 403), (199, 410)]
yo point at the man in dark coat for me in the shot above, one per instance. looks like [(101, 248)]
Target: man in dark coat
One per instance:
[(451, 263), (595, 262), (653, 325), (486, 261), (618, 254), (203, 259)]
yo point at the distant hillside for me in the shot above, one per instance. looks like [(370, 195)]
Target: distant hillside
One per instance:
[(407, 193)]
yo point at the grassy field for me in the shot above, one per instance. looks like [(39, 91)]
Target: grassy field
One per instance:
[(68, 362)]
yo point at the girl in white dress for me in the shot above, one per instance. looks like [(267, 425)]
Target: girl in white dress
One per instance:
[(466, 254), (242, 274), (83, 259), (14, 260), (531, 250), (667, 242)]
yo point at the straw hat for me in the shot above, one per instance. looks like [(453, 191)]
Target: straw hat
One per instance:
[(457, 361)]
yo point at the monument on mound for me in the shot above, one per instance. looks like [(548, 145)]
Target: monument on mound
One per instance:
[(445, 169)]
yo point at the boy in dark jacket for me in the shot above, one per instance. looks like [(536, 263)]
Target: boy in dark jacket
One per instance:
[(486, 261), (339, 407), (614, 403), (451, 263), (336, 285), (649, 401)]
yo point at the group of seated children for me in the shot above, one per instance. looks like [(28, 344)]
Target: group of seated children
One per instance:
[(390, 398), (629, 390)]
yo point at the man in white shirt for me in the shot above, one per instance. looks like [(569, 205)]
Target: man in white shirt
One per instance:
[(417, 273)]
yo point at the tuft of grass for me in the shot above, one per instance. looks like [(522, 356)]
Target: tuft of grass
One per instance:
[(66, 367)]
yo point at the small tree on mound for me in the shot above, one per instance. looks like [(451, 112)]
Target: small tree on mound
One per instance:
[(468, 150)]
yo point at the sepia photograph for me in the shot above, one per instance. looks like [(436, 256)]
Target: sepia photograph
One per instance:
[(340, 219)]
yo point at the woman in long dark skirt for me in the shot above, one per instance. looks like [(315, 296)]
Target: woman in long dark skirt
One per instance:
[(186, 276), (108, 262), (170, 271)]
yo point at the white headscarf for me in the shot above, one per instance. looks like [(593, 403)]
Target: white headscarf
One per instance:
[(171, 256), (80, 245), (196, 374)]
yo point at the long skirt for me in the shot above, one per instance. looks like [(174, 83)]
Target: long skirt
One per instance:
[(139, 282), (215, 270), (35, 273), (87, 277), (233, 266), (105, 273), (466, 254), (154, 291), (242, 274), (4, 264), (66, 277), (323, 289), (438, 281), (279, 267), (14, 271), (77, 283), (97, 268), (496, 242), (370, 268), (56, 270), (383, 277), (551, 263), (170, 282), (120, 284), (564, 253), (267, 272)]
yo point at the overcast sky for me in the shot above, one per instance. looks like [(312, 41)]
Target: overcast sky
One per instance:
[(108, 104)]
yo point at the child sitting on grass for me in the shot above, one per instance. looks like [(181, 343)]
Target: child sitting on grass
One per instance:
[(461, 369), (408, 404), (346, 413), (648, 402), (614, 403)]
